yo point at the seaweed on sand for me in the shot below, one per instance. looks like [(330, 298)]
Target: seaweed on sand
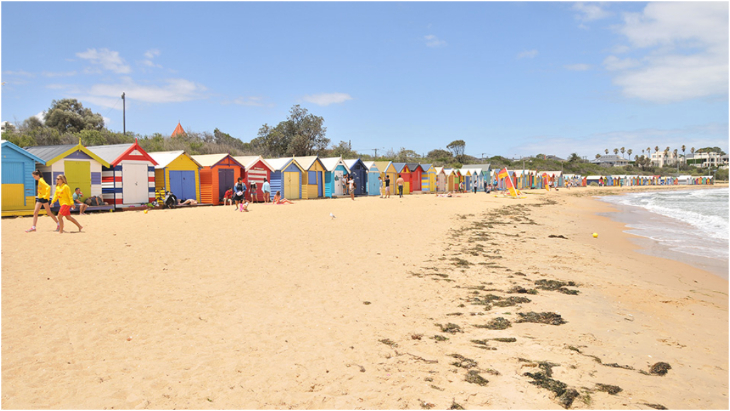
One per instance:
[(510, 301), (564, 395), (439, 338), (655, 406), (454, 405), (463, 362), (543, 318), (474, 378), (521, 290), (389, 342), (611, 389), (554, 285), (498, 323), (450, 328), (660, 368)]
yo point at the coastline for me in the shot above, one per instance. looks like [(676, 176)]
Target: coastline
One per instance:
[(343, 314)]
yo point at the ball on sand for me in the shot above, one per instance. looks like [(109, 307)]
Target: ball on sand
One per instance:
[(595, 235), (145, 211)]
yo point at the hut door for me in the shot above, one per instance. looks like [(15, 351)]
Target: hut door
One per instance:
[(182, 184), (13, 190), (339, 176), (292, 186), (78, 174), (225, 180), (320, 191), (135, 184)]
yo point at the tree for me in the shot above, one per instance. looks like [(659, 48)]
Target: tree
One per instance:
[(629, 151), (439, 154), (573, 158), (343, 150), (615, 151), (457, 147), (69, 115), (598, 156), (622, 152), (606, 151), (301, 134), (31, 123)]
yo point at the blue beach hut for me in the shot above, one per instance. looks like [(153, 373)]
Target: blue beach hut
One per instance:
[(360, 173), (18, 185), (373, 174), (334, 176), (286, 177)]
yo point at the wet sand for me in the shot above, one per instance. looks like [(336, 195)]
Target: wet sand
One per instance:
[(285, 307)]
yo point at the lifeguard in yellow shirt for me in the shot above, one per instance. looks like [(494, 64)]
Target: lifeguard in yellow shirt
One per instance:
[(63, 195), (42, 200)]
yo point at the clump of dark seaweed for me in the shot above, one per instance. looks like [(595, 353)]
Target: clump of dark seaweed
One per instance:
[(498, 323), (454, 405), (616, 365), (439, 338), (660, 368), (554, 285), (547, 367), (543, 318), (450, 328), (565, 396), (505, 340), (460, 262), (389, 342), (474, 378), (655, 406), (611, 389), (510, 301), (463, 362), (521, 290)]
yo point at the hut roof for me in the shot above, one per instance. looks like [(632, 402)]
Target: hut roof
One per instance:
[(249, 161), (413, 166), (306, 162), (351, 163), (425, 167), (164, 158), (370, 164), (279, 164), (112, 153), (399, 167), (51, 154), (178, 131), (331, 163), (209, 160), (9, 145), (382, 165)]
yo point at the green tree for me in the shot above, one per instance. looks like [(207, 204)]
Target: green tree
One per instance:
[(623, 150), (69, 115), (301, 134), (457, 148), (343, 150)]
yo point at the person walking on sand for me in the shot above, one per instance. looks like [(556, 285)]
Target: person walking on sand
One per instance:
[(42, 200), (380, 186), (239, 191), (476, 185), (399, 182), (63, 195), (266, 189), (387, 186)]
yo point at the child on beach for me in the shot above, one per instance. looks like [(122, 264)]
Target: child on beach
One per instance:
[(42, 200), (387, 186), (240, 191), (253, 191), (279, 200), (351, 187), (63, 195)]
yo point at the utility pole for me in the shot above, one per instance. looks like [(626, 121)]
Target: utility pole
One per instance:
[(124, 114), (483, 157), (376, 152)]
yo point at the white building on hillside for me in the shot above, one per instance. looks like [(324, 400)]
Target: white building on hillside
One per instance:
[(711, 159)]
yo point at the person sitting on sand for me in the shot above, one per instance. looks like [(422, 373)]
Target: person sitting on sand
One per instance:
[(279, 200)]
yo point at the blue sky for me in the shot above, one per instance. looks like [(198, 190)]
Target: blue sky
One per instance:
[(511, 79)]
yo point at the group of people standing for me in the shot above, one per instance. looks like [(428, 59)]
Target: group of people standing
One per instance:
[(66, 200), (236, 195)]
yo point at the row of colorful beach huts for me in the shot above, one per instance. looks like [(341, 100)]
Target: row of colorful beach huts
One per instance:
[(125, 175)]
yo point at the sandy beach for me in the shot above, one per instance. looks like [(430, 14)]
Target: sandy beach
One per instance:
[(414, 303)]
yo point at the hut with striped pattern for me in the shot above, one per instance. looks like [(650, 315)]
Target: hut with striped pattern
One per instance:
[(178, 173), (219, 172), (80, 165), (416, 174), (256, 169), (286, 177), (441, 183), (428, 178), (129, 180), (18, 185)]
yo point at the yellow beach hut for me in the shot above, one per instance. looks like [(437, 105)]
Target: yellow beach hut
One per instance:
[(177, 172), (18, 186), (313, 177), (428, 178), (387, 169)]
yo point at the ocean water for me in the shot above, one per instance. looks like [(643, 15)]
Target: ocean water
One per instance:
[(693, 223)]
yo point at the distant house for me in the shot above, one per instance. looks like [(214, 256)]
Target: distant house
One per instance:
[(178, 131), (611, 161), (711, 159)]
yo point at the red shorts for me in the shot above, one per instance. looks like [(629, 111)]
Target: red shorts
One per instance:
[(65, 210)]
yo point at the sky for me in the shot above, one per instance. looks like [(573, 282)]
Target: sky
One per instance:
[(509, 78)]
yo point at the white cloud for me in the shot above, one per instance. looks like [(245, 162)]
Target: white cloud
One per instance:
[(527, 54), (105, 58), (151, 54), (41, 116), (686, 46), (18, 73), (590, 12), (577, 67), (171, 91), (326, 99), (249, 101), (433, 41), (614, 63), (59, 74)]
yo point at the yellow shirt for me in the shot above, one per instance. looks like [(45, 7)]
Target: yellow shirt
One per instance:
[(44, 190), (63, 194)]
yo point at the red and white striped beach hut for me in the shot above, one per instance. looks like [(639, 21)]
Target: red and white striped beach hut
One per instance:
[(255, 169)]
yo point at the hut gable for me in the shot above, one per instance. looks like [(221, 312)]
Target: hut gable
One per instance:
[(178, 131), (116, 153)]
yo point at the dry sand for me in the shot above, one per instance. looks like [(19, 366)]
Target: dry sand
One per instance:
[(285, 307)]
